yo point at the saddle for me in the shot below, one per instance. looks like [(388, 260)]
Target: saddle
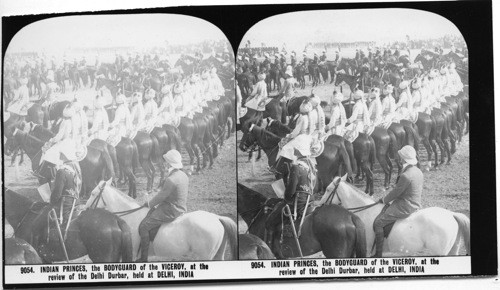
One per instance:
[(317, 146), (351, 134)]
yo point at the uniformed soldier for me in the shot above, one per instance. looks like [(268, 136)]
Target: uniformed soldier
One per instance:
[(338, 118), (168, 204), (100, 123), (67, 184), (403, 200)]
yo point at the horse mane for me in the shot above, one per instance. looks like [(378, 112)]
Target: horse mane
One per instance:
[(121, 194), (266, 137)]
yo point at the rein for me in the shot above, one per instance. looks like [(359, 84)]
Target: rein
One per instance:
[(354, 209), (118, 213)]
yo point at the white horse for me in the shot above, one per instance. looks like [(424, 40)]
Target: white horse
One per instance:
[(198, 235), (432, 231)]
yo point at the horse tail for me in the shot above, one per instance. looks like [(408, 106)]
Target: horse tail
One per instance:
[(135, 155), (126, 249), (230, 236), (360, 236), (109, 164), (463, 229), (345, 157), (393, 145), (373, 151), (156, 149), (411, 132)]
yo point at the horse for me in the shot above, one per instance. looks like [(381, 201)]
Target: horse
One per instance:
[(148, 152), (111, 85), (95, 163), (251, 247), (19, 252), (300, 72), (351, 80), (198, 235), (97, 233), (328, 163), (331, 229), (430, 231)]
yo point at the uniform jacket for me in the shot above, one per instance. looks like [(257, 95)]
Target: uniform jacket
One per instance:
[(67, 183), (288, 89), (406, 196), (338, 117), (299, 180), (137, 115), (122, 121), (100, 124), (172, 198), (375, 111)]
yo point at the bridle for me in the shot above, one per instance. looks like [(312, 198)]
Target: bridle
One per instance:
[(353, 209), (262, 208), (99, 197)]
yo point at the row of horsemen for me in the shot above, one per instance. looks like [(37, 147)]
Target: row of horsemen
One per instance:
[(143, 114), (377, 108), (419, 95)]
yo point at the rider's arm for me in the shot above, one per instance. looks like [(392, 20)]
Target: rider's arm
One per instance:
[(58, 188), (401, 186), (165, 191), (355, 113), (291, 187), (298, 127)]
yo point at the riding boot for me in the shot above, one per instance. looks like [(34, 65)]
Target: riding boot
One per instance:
[(379, 243), (144, 249), (274, 167)]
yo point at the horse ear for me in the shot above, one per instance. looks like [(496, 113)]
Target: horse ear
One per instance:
[(344, 178), (107, 182)]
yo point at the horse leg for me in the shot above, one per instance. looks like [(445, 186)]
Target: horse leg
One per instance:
[(448, 151), (427, 146), (132, 191), (147, 171), (196, 153), (385, 167)]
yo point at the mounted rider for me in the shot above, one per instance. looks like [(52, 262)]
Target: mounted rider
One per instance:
[(404, 199), (150, 111), (64, 138), (416, 95), (298, 191), (359, 118), (375, 110), (168, 204), (258, 99), (298, 137), (316, 121), (166, 110), (456, 85), (338, 117), (100, 123), (287, 90), (121, 127), (404, 104), (217, 90), (21, 102), (67, 185), (137, 113), (80, 124)]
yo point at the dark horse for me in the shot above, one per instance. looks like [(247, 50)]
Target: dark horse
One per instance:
[(331, 229), (252, 247), (95, 232), (328, 163), (96, 166)]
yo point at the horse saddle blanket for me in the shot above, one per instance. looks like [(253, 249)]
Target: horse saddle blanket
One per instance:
[(114, 139), (317, 146), (369, 129), (351, 133), (413, 116)]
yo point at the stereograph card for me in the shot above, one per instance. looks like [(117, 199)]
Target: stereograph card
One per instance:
[(248, 143)]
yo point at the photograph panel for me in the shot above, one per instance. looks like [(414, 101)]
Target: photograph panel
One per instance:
[(354, 119), (119, 140)]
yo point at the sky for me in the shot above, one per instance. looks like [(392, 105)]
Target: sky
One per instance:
[(379, 25), (140, 30)]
